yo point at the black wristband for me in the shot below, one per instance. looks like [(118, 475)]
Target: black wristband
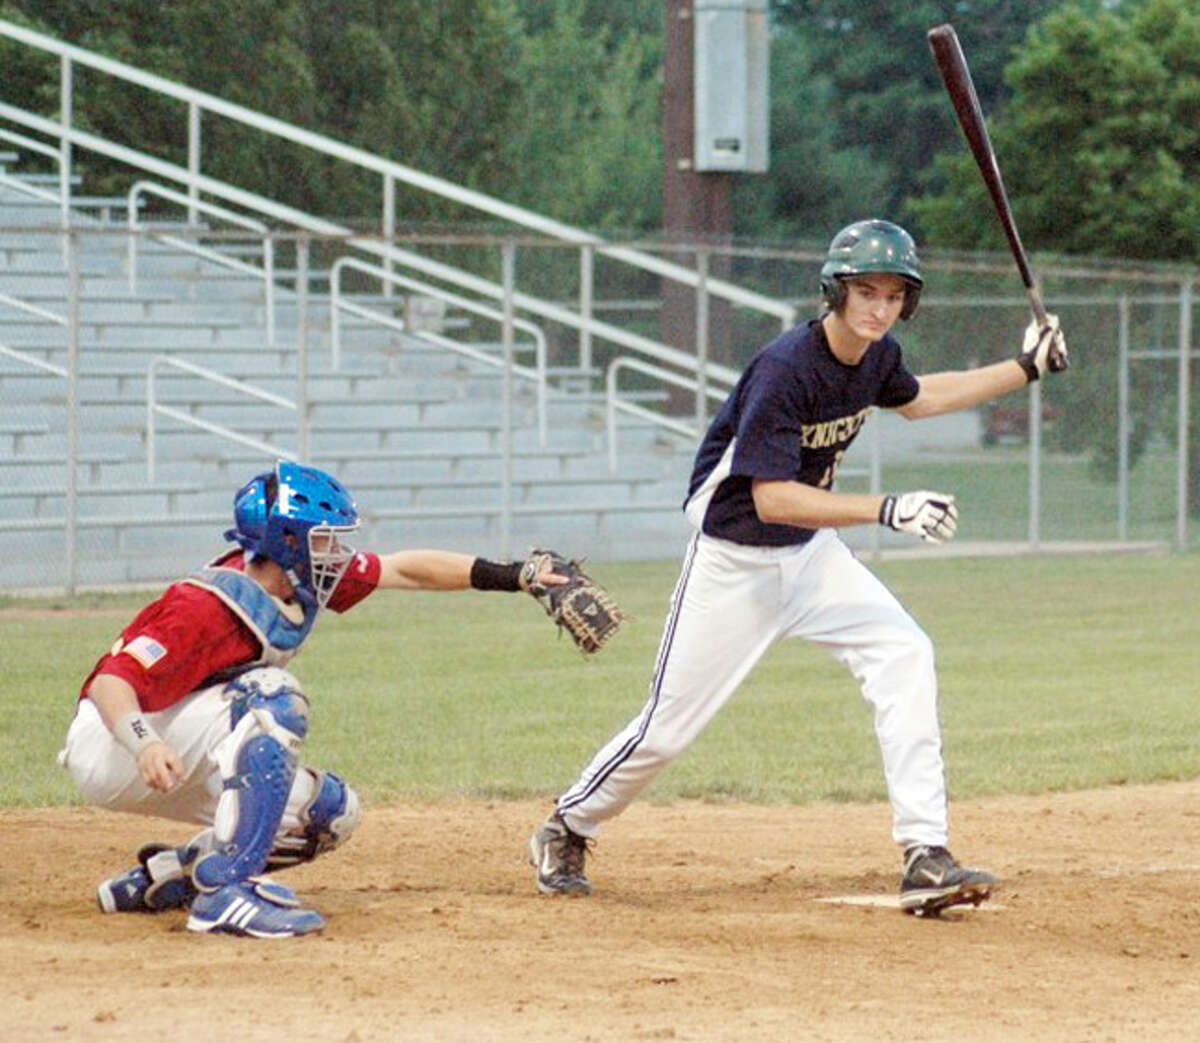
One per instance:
[(887, 509), (491, 575), (1026, 362)]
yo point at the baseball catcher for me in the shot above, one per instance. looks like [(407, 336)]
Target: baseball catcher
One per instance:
[(192, 716)]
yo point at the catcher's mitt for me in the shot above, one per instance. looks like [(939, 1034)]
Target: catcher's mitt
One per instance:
[(581, 607)]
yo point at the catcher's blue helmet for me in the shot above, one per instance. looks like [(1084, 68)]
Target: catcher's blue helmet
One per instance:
[(295, 516)]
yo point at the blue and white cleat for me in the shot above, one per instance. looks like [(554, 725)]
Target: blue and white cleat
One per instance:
[(156, 883), (125, 893), (255, 908)]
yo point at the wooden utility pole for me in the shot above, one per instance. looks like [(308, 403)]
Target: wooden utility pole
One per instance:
[(696, 206)]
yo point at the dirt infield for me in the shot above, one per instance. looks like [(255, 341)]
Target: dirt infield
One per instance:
[(707, 924)]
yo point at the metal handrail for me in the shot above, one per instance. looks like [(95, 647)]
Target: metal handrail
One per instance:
[(338, 303), (154, 408), (43, 149), (17, 185), (33, 309), (385, 251), (199, 102), (29, 360), (266, 272), (30, 143), (613, 404)]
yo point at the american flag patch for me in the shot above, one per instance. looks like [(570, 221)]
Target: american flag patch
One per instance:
[(145, 650)]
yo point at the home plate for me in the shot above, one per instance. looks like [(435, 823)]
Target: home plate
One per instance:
[(893, 902)]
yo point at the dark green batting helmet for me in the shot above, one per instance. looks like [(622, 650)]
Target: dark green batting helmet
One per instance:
[(868, 247)]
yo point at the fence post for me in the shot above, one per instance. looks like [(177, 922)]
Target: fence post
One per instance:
[(389, 229), (1185, 361), (702, 260), (335, 323), (587, 277), (1035, 464), (193, 160), (1123, 418), (151, 411), (508, 266), (72, 514), (304, 410), (66, 103)]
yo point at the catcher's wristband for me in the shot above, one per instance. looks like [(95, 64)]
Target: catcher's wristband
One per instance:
[(135, 733), (491, 575)]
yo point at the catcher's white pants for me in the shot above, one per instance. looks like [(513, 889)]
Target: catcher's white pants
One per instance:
[(731, 603), (107, 774)]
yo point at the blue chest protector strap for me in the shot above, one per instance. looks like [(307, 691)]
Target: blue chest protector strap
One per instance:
[(279, 635)]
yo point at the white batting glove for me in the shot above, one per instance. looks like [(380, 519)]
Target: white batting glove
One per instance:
[(932, 516), (1043, 350)]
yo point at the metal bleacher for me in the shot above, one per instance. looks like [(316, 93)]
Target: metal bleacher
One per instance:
[(414, 431), (174, 338)]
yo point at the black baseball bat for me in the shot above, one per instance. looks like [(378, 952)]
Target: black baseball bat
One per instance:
[(952, 64)]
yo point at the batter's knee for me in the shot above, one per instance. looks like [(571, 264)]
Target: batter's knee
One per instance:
[(910, 649), (658, 750)]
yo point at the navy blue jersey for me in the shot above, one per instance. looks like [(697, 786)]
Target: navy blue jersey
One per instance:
[(792, 415)]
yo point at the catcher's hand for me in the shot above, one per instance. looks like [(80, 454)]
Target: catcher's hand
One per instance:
[(580, 606)]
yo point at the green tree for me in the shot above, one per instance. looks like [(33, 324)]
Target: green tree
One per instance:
[(430, 85), (589, 142), (886, 99), (1110, 169)]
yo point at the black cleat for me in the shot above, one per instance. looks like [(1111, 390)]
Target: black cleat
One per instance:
[(559, 856), (934, 881)]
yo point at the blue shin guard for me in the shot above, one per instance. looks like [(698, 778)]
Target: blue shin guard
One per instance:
[(258, 763)]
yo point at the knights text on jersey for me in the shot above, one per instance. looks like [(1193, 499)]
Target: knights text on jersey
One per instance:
[(791, 417)]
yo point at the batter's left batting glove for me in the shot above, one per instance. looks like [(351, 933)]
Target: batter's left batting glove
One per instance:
[(932, 516), (1044, 349)]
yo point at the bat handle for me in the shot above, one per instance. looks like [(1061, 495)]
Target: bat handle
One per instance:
[(1039, 315), (1039, 309)]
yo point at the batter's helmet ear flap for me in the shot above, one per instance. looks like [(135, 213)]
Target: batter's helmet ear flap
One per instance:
[(834, 292)]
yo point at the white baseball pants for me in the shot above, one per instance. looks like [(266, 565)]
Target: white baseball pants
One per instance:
[(107, 775), (732, 603)]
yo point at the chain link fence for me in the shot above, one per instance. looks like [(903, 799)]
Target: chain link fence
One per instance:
[(147, 368)]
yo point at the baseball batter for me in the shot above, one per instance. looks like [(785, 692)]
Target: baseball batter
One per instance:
[(766, 562), (190, 716)]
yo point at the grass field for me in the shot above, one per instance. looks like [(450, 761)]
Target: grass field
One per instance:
[(992, 488), (1056, 673)]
